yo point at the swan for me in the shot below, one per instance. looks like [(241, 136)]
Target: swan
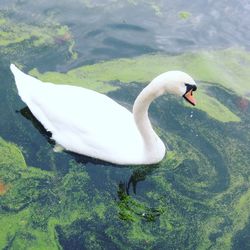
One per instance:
[(92, 124)]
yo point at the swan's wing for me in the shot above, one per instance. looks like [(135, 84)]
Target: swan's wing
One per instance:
[(84, 116)]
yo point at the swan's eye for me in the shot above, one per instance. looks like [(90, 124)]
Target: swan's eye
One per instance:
[(190, 87)]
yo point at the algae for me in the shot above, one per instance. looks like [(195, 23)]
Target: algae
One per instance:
[(184, 15), (196, 198), (208, 67), (25, 36), (214, 107), (38, 201), (189, 200)]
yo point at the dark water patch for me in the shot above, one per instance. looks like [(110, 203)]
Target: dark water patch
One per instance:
[(182, 42), (10, 242), (182, 188), (222, 228), (94, 33), (33, 139), (126, 26), (189, 169), (128, 46), (29, 116), (127, 93), (8, 98), (241, 239), (82, 235), (138, 177), (26, 54), (105, 52)]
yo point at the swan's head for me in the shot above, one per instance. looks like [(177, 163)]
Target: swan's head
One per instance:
[(178, 83)]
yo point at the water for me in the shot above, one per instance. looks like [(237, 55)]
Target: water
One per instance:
[(198, 197)]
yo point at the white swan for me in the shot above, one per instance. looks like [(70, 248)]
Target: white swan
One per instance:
[(92, 124)]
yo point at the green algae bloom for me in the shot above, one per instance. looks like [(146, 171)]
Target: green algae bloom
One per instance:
[(194, 188), (184, 15), (197, 190), (197, 198), (20, 35), (207, 67)]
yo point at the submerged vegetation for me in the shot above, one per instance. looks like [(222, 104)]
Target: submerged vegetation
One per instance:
[(197, 198)]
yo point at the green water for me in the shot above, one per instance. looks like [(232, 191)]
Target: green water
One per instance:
[(198, 197)]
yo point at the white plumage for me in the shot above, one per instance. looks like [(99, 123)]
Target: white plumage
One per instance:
[(92, 124)]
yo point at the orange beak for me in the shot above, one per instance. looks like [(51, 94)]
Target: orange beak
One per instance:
[(189, 97)]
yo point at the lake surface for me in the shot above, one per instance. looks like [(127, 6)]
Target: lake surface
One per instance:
[(198, 197)]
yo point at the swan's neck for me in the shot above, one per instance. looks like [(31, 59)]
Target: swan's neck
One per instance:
[(152, 142)]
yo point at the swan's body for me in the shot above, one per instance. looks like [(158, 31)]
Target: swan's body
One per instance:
[(92, 124)]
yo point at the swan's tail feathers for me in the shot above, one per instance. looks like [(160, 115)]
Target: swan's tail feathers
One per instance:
[(25, 83)]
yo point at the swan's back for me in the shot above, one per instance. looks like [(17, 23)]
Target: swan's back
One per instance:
[(82, 120)]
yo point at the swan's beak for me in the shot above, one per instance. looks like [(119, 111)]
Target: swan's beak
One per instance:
[(189, 94)]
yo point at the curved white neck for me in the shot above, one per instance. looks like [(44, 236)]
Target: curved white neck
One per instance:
[(152, 142)]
